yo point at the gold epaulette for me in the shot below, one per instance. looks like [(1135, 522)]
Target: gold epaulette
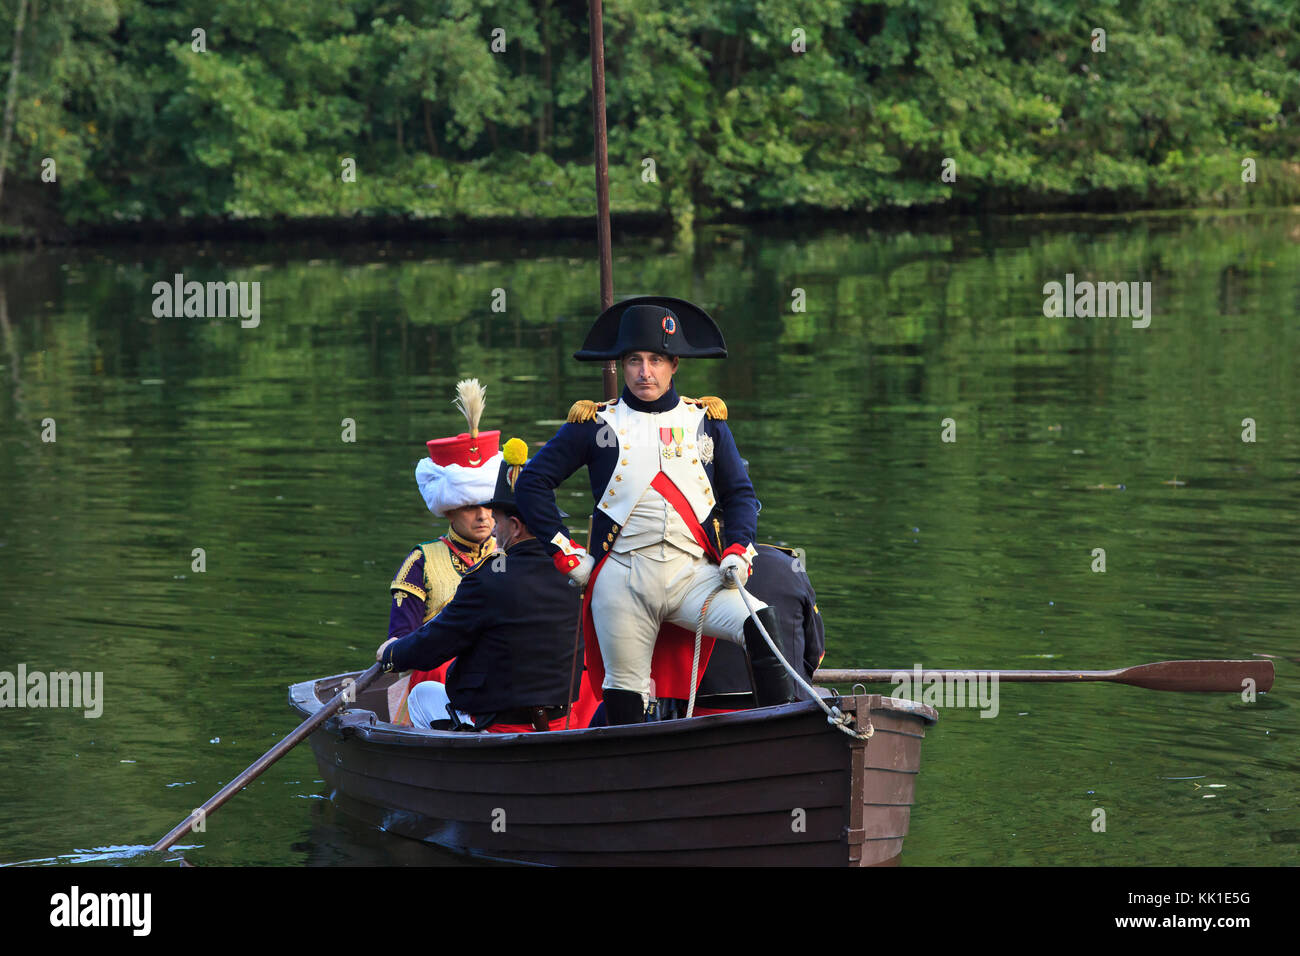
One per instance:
[(584, 410), (716, 407)]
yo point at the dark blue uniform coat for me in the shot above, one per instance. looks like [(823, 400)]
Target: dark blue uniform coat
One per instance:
[(576, 444), (511, 628)]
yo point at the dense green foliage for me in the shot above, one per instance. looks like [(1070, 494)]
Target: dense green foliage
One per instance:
[(143, 126)]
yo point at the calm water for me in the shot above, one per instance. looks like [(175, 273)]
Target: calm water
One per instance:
[(177, 434)]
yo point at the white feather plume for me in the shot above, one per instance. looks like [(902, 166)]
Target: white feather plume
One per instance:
[(470, 399)]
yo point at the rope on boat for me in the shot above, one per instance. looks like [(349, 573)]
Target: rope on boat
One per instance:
[(834, 716), (695, 660)]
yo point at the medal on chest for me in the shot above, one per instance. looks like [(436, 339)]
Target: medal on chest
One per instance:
[(646, 448), (670, 437)]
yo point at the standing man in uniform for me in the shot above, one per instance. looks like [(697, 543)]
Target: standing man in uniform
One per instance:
[(458, 475), (662, 468)]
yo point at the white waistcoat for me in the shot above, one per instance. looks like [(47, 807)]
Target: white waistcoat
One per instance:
[(640, 458)]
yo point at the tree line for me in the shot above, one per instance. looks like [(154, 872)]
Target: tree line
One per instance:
[(132, 111)]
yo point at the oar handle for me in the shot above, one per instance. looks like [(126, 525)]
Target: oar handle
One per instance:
[(258, 766)]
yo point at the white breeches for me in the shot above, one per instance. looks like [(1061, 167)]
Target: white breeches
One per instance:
[(428, 702), (634, 594)]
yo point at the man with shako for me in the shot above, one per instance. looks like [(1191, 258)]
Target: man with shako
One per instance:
[(662, 468), (510, 627), (459, 473)]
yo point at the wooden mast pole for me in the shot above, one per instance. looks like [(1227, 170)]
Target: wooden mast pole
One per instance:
[(596, 18), (609, 376)]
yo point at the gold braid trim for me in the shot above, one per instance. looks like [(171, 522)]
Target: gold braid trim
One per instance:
[(406, 587), (584, 411), (440, 577), (716, 407), (400, 584)]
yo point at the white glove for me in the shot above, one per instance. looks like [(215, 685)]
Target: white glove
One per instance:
[(570, 550), (735, 571), (582, 572)]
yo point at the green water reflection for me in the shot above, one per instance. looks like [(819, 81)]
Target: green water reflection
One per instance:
[(177, 434)]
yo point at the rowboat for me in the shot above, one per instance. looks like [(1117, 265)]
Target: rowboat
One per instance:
[(769, 786)]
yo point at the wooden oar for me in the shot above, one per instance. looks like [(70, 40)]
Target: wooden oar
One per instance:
[(1227, 676), (256, 769)]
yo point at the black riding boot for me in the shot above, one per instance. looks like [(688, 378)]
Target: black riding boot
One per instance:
[(623, 707), (772, 683)]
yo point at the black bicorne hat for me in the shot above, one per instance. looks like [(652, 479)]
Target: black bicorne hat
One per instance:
[(653, 323)]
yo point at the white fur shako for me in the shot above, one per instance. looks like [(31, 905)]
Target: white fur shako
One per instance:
[(640, 458), (447, 487)]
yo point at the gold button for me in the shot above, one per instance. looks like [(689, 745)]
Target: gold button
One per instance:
[(618, 477), (694, 460), (690, 446), (622, 431), (625, 461), (610, 536), (606, 545)]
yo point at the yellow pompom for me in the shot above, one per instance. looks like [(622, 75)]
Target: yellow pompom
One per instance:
[(516, 451)]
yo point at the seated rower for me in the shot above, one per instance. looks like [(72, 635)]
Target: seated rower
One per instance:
[(511, 626)]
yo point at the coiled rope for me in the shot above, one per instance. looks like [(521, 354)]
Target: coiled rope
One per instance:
[(695, 660)]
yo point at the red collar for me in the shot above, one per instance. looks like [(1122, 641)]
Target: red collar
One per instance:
[(466, 557)]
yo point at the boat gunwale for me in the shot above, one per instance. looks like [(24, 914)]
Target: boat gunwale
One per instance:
[(304, 698)]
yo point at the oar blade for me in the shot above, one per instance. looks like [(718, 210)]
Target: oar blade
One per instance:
[(1207, 676)]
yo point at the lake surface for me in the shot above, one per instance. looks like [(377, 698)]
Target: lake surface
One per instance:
[(1071, 434)]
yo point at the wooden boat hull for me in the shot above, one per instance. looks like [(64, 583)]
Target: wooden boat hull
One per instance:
[(770, 786)]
